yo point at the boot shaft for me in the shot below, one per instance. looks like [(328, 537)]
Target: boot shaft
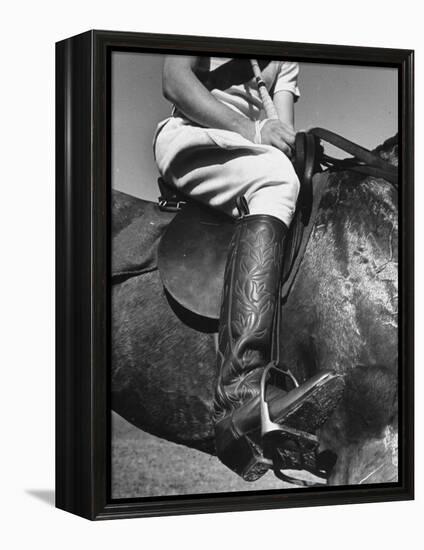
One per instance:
[(248, 342), (249, 303)]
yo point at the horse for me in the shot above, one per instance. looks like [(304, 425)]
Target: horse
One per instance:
[(341, 314)]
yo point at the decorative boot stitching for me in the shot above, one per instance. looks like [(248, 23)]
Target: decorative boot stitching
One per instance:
[(253, 297)]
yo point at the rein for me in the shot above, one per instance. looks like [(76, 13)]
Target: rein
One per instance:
[(363, 161)]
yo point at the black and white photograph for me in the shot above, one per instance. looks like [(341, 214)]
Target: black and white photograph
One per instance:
[(211, 229), (254, 316)]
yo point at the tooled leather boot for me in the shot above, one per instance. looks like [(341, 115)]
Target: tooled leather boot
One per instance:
[(248, 310)]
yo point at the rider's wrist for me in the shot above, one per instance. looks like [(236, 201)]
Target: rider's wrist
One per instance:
[(257, 139), (259, 124), (248, 130)]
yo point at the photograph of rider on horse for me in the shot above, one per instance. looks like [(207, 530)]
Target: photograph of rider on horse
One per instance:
[(254, 309)]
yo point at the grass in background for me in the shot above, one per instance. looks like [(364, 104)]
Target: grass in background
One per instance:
[(144, 465)]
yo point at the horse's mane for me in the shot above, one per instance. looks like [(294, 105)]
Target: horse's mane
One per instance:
[(389, 150), (385, 194)]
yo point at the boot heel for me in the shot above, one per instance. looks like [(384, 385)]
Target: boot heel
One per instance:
[(239, 452)]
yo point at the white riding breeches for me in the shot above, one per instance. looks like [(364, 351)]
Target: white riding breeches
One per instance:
[(216, 167)]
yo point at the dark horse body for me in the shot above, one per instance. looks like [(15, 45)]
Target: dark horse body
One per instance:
[(341, 314)]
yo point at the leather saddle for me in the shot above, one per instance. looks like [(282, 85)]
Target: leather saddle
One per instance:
[(193, 250)]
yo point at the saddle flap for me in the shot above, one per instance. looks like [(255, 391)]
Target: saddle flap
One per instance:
[(193, 251), (191, 258)]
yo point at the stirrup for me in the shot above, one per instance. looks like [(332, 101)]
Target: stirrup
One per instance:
[(272, 434), (267, 425)]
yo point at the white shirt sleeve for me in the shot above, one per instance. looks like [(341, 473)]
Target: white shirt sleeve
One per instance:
[(286, 80)]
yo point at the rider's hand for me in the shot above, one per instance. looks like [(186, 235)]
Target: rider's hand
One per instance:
[(279, 135)]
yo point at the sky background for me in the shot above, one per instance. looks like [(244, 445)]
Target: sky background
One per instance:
[(359, 103)]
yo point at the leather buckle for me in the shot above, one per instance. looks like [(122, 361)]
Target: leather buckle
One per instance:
[(167, 205)]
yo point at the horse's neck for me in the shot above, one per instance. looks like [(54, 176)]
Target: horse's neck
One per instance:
[(348, 266)]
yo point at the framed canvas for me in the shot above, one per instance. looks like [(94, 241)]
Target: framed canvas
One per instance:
[(234, 274)]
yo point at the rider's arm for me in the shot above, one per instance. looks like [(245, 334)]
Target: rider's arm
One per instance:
[(182, 87), (284, 104)]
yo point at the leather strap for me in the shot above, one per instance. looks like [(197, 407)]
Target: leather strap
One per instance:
[(364, 161), (301, 233)]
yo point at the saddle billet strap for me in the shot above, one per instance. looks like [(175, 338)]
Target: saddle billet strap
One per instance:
[(301, 232), (369, 159)]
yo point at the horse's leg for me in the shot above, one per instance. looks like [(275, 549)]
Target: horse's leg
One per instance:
[(373, 461), (363, 431)]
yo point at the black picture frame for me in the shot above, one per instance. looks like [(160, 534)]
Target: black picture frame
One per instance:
[(82, 274)]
